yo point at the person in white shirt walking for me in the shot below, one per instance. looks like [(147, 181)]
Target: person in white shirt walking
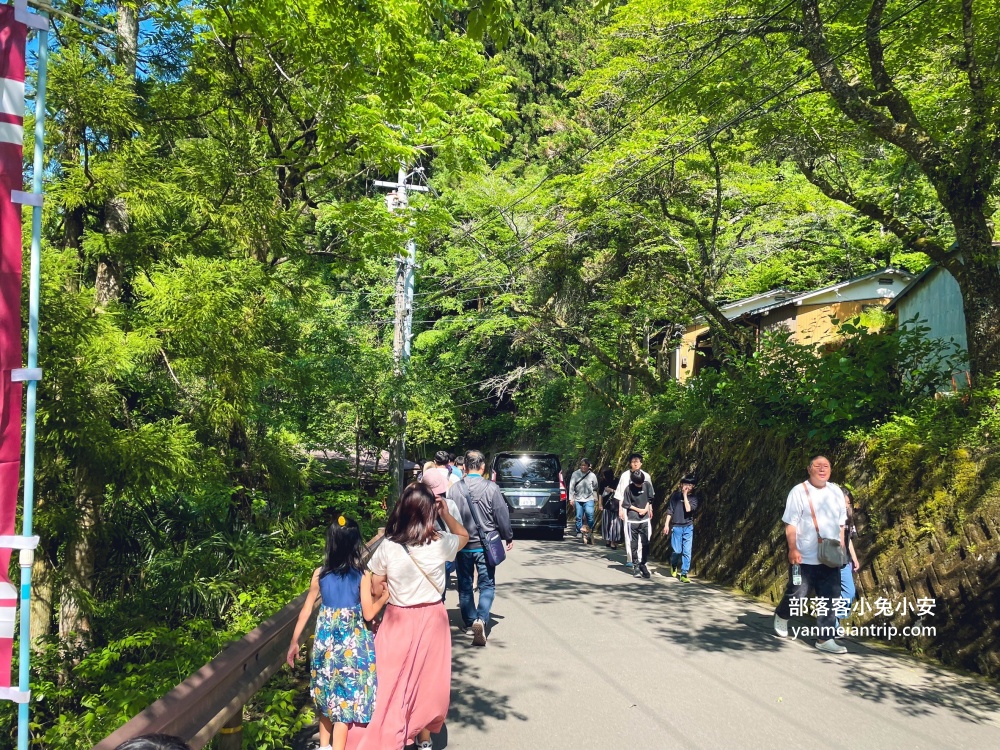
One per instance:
[(635, 464), (814, 510)]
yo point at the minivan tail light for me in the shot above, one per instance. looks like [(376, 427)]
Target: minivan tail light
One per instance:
[(562, 493)]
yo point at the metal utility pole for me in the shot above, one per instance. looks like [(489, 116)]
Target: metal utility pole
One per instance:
[(406, 266)]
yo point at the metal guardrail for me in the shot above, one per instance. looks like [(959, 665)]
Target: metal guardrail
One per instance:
[(214, 696)]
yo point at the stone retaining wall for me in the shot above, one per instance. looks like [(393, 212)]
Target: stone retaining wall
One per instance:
[(929, 528)]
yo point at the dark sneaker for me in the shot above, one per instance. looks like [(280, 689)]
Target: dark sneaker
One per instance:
[(644, 570), (478, 633), (684, 578), (636, 573)]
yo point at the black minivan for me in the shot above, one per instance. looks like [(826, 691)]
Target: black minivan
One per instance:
[(532, 484)]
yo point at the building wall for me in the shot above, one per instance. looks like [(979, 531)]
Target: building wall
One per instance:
[(782, 317), (684, 354), (937, 302), (814, 324)]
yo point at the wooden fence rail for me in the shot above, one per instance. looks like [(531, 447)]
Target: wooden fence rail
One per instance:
[(214, 696)]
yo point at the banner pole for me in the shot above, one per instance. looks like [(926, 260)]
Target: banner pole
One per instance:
[(34, 284)]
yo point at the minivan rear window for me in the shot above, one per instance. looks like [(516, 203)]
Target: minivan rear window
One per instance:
[(520, 469)]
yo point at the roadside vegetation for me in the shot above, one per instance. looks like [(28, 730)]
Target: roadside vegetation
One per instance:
[(218, 277)]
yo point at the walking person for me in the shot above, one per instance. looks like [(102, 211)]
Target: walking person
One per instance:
[(611, 524), (635, 464), (414, 641), (483, 511), (436, 474), (583, 486), (681, 505), (638, 505), (343, 655), (848, 589), (457, 470), (815, 516)]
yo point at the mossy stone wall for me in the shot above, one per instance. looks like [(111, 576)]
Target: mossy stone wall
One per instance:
[(929, 526)]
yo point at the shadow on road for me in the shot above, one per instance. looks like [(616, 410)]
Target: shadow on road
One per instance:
[(678, 612)]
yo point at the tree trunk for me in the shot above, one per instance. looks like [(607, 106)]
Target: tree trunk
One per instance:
[(128, 36), (108, 286), (78, 566), (41, 598)]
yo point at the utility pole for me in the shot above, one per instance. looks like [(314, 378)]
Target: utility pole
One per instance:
[(406, 266)]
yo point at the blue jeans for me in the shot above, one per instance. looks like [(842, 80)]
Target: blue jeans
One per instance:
[(468, 564), (847, 588), (581, 508), (680, 541)]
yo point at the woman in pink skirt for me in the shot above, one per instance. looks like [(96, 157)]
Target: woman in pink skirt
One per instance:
[(413, 644)]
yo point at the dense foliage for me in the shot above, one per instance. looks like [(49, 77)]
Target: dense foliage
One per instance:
[(216, 274)]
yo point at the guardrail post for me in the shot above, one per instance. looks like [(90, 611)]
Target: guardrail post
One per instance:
[(231, 735)]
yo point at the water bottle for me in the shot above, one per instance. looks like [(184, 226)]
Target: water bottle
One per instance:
[(796, 575)]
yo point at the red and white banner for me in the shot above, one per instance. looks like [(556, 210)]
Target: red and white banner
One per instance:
[(12, 42)]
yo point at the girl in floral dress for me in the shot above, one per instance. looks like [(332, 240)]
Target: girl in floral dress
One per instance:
[(343, 657)]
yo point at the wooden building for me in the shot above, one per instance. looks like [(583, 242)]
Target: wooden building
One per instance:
[(808, 316)]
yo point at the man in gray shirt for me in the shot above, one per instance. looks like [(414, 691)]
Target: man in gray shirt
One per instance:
[(491, 509), (583, 487)]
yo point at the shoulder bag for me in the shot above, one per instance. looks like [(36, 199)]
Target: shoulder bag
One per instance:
[(830, 552), (493, 546)]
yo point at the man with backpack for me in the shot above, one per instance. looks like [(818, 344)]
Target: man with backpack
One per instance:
[(485, 516)]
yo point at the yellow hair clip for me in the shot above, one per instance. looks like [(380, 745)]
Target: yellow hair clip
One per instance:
[(341, 521)]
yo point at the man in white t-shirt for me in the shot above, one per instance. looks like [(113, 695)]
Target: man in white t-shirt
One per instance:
[(635, 464), (820, 503)]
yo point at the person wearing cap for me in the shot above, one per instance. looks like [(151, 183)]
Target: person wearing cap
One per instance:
[(681, 506), (638, 505)]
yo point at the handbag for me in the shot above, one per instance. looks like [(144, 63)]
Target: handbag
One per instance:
[(830, 552), (493, 546)]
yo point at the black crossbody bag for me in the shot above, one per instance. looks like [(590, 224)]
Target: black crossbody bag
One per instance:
[(493, 546)]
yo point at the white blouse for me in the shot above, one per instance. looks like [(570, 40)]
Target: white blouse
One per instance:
[(408, 586)]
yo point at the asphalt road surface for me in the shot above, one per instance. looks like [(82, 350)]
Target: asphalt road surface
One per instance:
[(581, 655)]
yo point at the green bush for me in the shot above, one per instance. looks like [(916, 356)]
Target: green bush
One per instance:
[(819, 393)]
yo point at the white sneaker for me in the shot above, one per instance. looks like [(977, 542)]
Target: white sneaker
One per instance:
[(425, 745), (478, 633), (830, 647), (780, 627)]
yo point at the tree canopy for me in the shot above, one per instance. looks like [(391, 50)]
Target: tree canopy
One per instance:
[(218, 265)]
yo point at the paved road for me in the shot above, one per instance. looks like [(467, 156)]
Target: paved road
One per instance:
[(583, 656)]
